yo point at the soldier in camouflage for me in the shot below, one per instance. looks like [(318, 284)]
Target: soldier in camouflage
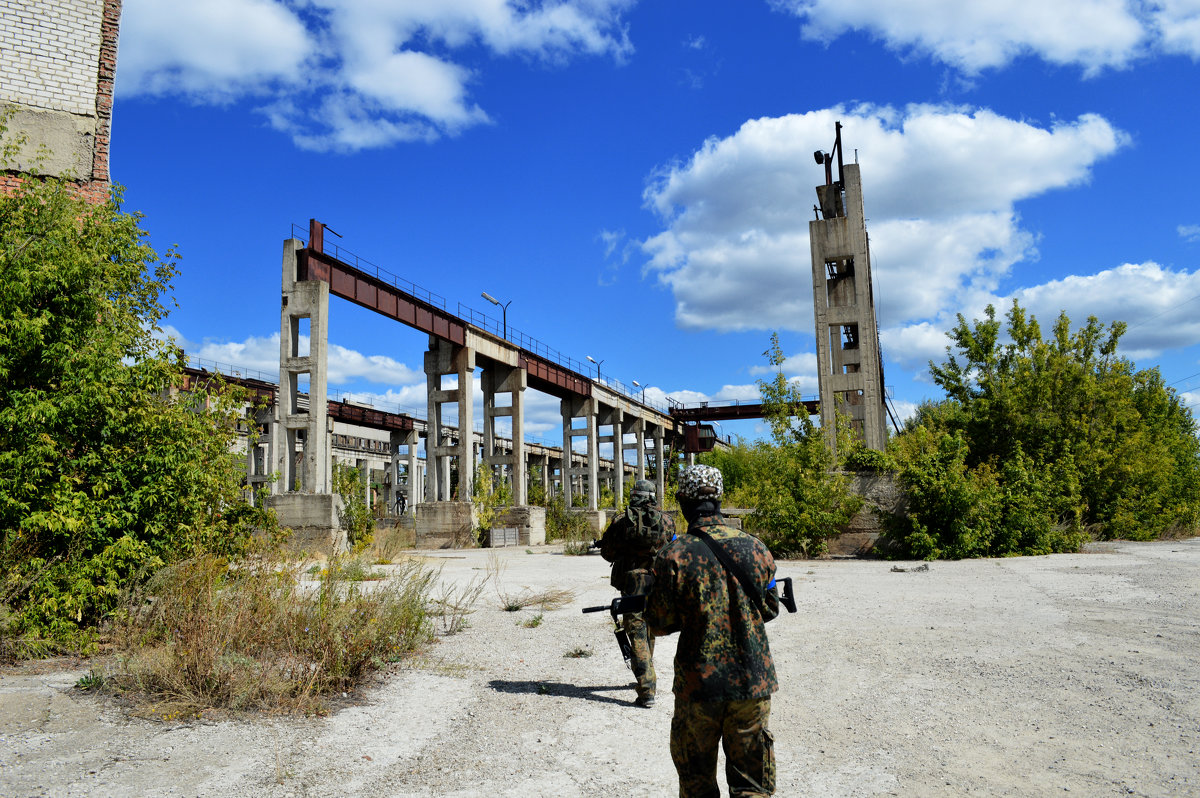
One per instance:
[(630, 543), (724, 675)]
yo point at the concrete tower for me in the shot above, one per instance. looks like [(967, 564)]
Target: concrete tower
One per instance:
[(849, 368)]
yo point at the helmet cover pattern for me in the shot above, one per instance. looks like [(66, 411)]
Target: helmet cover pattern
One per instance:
[(645, 486), (700, 482)]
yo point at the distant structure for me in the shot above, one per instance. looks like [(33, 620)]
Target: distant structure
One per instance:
[(58, 61), (849, 366)]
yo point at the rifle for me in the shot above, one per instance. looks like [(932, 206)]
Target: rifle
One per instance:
[(787, 598), (619, 606)]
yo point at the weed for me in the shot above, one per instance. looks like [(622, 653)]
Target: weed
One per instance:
[(578, 652), (91, 680), (531, 623), (454, 603), (204, 633), (355, 570), (570, 527)]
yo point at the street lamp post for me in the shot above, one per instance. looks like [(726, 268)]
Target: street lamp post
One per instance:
[(597, 362), (503, 310), (637, 384)]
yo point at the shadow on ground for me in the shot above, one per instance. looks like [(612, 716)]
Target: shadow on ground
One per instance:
[(564, 690)]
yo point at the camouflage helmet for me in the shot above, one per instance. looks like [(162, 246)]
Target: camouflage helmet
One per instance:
[(700, 482), (643, 487)]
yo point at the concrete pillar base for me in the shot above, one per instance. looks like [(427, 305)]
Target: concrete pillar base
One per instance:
[(446, 525), (530, 522), (313, 519)]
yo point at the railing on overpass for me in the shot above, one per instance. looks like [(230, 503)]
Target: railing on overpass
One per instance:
[(357, 410), (469, 315)]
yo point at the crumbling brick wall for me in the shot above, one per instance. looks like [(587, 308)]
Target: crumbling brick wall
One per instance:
[(58, 62)]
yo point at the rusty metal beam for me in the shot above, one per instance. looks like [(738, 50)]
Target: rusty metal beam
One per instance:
[(733, 412), (375, 294), (369, 417), (551, 378)]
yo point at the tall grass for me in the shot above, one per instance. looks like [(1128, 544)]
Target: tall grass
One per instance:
[(571, 528), (203, 634)]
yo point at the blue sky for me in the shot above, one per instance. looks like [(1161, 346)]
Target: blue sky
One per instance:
[(637, 177)]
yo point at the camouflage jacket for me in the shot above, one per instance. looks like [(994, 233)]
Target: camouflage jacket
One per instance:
[(630, 543), (723, 652)]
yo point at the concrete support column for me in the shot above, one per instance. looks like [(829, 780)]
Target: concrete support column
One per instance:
[(588, 473), (660, 457), (404, 470), (639, 434), (498, 378), (445, 359), (305, 311), (614, 418)]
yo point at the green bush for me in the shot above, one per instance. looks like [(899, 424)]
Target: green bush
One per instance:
[(798, 501), (106, 471), (354, 517), (570, 527), (1040, 439)]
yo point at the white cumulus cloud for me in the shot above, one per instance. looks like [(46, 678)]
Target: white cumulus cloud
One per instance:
[(261, 354), (983, 34), (352, 74), (214, 50), (941, 186)]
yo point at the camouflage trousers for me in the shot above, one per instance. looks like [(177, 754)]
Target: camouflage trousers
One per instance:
[(741, 728), (642, 661)]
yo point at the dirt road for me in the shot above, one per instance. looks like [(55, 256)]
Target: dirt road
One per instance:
[(1034, 676)]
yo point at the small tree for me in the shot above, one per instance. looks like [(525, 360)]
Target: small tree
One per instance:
[(490, 497), (106, 471), (355, 517), (799, 501)]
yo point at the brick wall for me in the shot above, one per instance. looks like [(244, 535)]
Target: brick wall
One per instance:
[(50, 53), (58, 63)]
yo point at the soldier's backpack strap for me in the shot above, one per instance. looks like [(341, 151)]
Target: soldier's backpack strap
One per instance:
[(752, 591)]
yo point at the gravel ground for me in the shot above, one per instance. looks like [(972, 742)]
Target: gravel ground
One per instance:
[(1016, 677)]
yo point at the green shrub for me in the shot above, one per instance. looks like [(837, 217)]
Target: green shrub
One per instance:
[(106, 470), (1040, 439), (570, 527)]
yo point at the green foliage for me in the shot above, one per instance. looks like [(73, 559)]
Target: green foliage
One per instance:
[(535, 492), (738, 470), (104, 474), (570, 527), (490, 497), (861, 458), (799, 502), (355, 516), (1040, 439)]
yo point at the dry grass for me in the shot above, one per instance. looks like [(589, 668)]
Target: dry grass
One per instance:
[(545, 600), (388, 542), (206, 635), (453, 603), (553, 598)]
